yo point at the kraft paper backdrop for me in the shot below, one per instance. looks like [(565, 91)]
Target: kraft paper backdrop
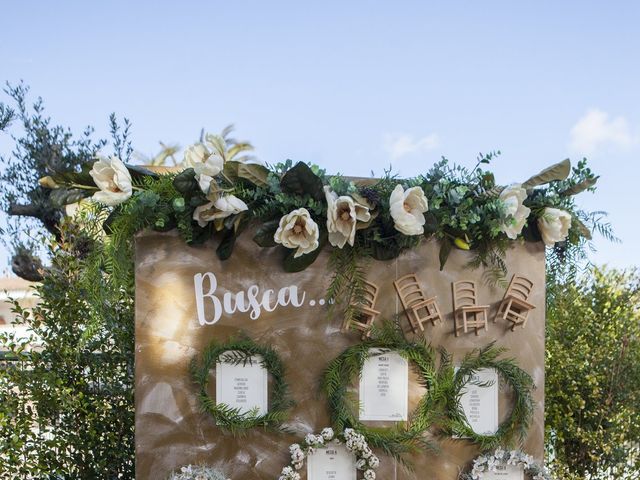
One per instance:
[(171, 431)]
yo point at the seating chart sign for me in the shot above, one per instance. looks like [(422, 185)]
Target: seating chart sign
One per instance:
[(186, 298), (480, 403), (242, 386), (384, 387), (504, 472), (332, 462)]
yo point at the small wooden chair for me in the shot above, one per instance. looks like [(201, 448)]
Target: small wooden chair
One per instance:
[(417, 307), (515, 306), (466, 308), (365, 314)]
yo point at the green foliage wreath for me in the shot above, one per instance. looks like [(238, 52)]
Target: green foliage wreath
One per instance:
[(451, 383), (240, 351), (404, 437)]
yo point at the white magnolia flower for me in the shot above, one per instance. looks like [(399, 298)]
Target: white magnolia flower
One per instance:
[(407, 209), (205, 163), (298, 230), (554, 225), (369, 475), (342, 215), (221, 208), (113, 179), (517, 213)]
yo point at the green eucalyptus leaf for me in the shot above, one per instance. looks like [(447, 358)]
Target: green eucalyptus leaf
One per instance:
[(300, 179), (64, 196), (264, 235), (579, 187), (445, 250), (254, 173), (559, 171), (185, 182)]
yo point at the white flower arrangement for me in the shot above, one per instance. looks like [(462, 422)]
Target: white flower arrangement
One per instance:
[(489, 462), (355, 443), (198, 472)]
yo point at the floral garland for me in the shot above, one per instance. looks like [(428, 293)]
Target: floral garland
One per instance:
[(240, 351), (198, 472), (452, 382), (218, 192), (488, 463), (342, 371), (366, 460)]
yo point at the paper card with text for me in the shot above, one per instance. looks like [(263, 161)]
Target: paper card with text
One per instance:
[(504, 472), (243, 386), (333, 462), (384, 386), (480, 403)]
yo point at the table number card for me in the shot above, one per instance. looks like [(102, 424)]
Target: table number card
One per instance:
[(505, 472), (333, 462), (242, 386), (384, 386), (480, 404)]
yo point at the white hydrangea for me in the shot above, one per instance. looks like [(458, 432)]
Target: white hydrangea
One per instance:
[(327, 433)]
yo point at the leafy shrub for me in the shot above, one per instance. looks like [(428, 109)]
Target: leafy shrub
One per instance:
[(593, 376), (66, 406)]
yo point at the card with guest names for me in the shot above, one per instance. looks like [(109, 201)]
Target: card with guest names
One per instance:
[(480, 403), (384, 386), (333, 462), (243, 386), (504, 472)]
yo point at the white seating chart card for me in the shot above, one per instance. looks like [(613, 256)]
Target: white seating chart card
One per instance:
[(242, 386), (480, 404), (333, 462), (505, 472), (384, 387)]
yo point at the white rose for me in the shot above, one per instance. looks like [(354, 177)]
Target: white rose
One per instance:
[(206, 164), (554, 225), (342, 215), (298, 230), (517, 213), (407, 209), (113, 179), (221, 208)]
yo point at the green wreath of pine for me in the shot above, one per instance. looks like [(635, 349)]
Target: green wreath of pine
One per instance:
[(239, 350), (405, 437), (451, 383)]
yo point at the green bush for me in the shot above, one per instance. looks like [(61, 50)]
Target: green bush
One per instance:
[(592, 404), (66, 407)]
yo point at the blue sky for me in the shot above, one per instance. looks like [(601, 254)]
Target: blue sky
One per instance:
[(355, 86)]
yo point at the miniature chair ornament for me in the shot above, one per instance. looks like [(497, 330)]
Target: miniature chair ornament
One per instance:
[(417, 307), (466, 309), (515, 306), (365, 313)]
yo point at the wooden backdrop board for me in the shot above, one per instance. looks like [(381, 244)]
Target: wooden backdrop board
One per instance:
[(171, 431)]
